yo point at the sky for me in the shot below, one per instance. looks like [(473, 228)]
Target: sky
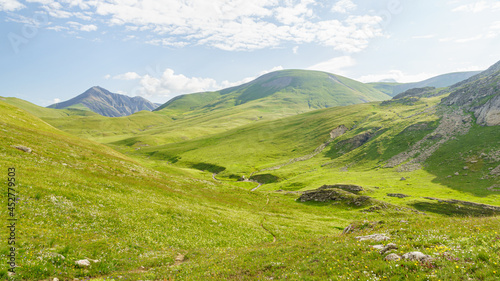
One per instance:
[(52, 51)]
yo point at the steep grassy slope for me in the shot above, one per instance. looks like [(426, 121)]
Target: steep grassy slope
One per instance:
[(44, 112)]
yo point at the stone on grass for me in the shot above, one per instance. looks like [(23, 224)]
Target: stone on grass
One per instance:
[(55, 279), (83, 263), (23, 148), (417, 256), (374, 237), (388, 247), (392, 257), (378, 247), (403, 178)]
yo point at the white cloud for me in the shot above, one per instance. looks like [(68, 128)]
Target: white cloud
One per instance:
[(478, 6), (173, 84), (170, 84), (82, 27), (11, 5), (88, 27), (397, 75), (127, 76), (343, 6), (57, 28), (232, 25), (335, 65), (56, 100), (107, 76), (295, 49)]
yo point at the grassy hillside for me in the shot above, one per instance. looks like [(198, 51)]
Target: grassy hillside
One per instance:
[(300, 89), (147, 219), (392, 128), (46, 112), (79, 199)]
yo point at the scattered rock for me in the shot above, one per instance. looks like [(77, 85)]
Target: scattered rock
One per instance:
[(417, 256), (179, 258), (398, 195), (467, 203), (403, 179), (347, 229), (392, 257), (83, 263), (55, 279), (347, 187), (496, 171), (374, 237), (448, 177), (466, 167), (456, 174), (435, 137), (378, 247), (94, 261), (495, 187), (56, 255), (373, 209), (388, 247), (23, 148)]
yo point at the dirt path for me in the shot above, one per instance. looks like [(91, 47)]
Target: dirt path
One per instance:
[(255, 188)]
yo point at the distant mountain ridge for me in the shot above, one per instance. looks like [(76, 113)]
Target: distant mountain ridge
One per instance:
[(443, 80), (103, 102), (301, 89)]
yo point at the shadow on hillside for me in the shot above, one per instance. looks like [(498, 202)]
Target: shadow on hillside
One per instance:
[(454, 210)]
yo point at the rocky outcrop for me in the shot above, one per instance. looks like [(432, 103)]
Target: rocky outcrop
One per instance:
[(347, 187), (452, 124), (334, 194), (398, 195), (479, 94), (466, 203)]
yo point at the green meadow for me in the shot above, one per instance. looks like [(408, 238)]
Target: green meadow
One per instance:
[(159, 195)]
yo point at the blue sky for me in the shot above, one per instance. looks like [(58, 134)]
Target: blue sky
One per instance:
[(54, 50)]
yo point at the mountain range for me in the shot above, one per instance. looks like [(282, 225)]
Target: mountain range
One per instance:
[(299, 90), (103, 102)]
